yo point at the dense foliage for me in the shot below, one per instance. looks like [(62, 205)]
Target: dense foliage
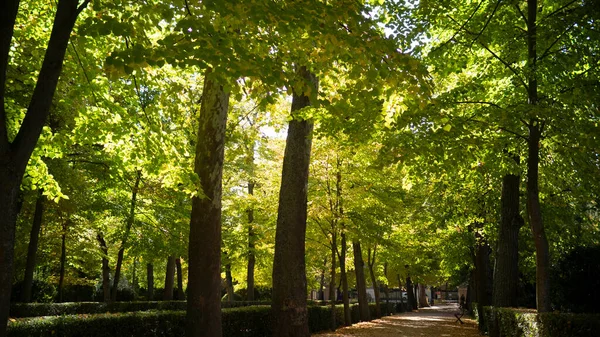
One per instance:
[(422, 108)]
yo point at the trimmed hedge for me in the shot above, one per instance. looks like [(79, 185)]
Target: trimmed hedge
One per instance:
[(254, 321), (19, 310), (511, 322)]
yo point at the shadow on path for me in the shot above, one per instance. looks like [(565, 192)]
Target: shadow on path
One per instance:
[(431, 322)]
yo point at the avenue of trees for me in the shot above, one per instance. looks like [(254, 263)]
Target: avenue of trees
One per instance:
[(263, 149)]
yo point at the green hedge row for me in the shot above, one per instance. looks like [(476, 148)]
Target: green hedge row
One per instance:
[(254, 321), (18, 310), (511, 322)]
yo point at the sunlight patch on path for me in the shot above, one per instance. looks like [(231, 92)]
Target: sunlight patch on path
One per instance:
[(429, 322)]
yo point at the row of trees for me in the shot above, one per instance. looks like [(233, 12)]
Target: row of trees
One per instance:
[(417, 123)]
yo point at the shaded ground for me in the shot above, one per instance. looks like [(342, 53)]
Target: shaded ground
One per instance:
[(431, 322)]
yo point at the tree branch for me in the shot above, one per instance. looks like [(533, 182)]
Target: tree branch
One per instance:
[(487, 22), (476, 102), (8, 15), (521, 13), (547, 51), (559, 10), (41, 100), (460, 28)]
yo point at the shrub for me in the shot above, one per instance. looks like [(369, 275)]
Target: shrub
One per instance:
[(510, 322), (80, 308), (41, 291)]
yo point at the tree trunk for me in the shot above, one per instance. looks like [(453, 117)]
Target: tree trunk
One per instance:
[(203, 316), (361, 284), (422, 296), (536, 127), (412, 303), (322, 281), (251, 244), (482, 269), (33, 246), (150, 272), (290, 316), (105, 268), (63, 260), (344, 277), (229, 279), (169, 279), (14, 156), (506, 269), (134, 276), (371, 263), (332, 288), (128, 225), (180, 292), (387, 289)]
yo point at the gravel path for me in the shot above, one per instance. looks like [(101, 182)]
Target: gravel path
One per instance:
[(430, 322)]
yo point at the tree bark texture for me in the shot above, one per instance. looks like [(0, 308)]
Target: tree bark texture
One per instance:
[(33, 246), (150, 275), (422, 296), (251, 245), (332, 288), (180, 292), (128, 225), (290, 316), (105, 268), (410, 295), (534, 212), (169, 279), (344, 278), (482, 270), (14, 156), (506, 268), (63, 260), (204, 266), (229, 280), (361, 284), (371, 263)]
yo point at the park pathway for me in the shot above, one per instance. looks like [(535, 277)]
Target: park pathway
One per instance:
[(436, 321)]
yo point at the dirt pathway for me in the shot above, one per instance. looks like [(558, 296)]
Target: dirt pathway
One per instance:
[(437, 321)]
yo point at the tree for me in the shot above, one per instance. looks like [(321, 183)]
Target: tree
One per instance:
[(15, 154), (289, 270)]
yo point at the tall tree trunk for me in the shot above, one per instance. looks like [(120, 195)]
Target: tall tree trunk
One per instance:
[(332, 288), (203, 316), (412, 303), (251, 244), (371, 263), (63, 260), (422, 296), (290, 316), (180, 292), (105, 268), (342, 254), (229, 279), (386, 289), (33, 246), (169, 279), (128, 225), (361, 284), (322, 280), (536, 127), (482, 270), (150, 272), (344, 277), (134, 276), (506, 269), (14, 156)]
